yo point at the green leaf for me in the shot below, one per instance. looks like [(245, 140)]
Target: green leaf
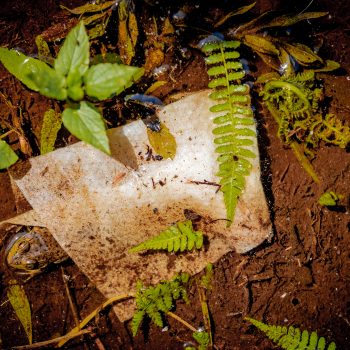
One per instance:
[(50, 83), (7, 155), (20, 304), (51, 125), (87, 124), (74, 53), (106, 79), (31, 71), (163, 142)]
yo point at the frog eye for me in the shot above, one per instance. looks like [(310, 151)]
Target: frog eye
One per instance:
[(23, 247), (31, 264)]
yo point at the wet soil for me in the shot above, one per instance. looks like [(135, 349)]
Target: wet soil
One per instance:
[(300, 278)]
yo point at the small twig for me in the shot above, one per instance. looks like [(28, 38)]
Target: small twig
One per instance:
[(64, 338), (205, 182), (7, 133), (72, 306), (94, 313), (178, 318)]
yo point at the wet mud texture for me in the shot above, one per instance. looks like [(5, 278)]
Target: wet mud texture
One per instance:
[(302, 277)]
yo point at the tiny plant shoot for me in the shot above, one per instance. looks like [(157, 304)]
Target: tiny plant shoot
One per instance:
[(70, 79)]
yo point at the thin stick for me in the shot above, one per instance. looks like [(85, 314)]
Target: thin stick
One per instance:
[(72, 306), (7, 133), (93, 314), (64, 338), (178, 318)]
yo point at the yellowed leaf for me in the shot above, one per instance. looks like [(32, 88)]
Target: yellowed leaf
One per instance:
[(20, 304), (163, 142), (260, 44), (125, 41), (302, 54), (89, 7), (44, 53), (168, 28), (239, 11), (155, 86), (328, 67), (133, 29), (51, 125), (286, 65), (154, 58)]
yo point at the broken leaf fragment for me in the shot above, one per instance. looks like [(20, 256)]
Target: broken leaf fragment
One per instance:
[(163, 142), (7, 155), (330, 199), (20, 304), (51, 125), (127, 32)]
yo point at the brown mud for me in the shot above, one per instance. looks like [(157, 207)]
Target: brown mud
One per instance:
[(300, 278)]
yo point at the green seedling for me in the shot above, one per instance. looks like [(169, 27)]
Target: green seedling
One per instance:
[(70, 79)]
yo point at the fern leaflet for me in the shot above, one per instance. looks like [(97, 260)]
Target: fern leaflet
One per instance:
[(179, 237), (234, 132), (152, 302), (291, 338)]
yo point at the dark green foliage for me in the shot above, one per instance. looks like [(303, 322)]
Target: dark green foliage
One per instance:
[(234, 128), (152, 302), (291, 338), (179, 237)]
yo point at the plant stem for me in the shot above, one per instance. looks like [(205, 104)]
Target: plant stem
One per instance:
[(93, 314), (64, 338), (178, 318), (295, 147), (7, 133)]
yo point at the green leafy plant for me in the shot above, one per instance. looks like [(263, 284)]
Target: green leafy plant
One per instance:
[(234, 128), (291, 338), (70, 79), (294, 102), (154, 301), (179, 237)]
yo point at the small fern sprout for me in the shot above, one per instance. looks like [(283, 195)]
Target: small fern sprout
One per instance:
[(180, 237), (291, 338), (153, 302)]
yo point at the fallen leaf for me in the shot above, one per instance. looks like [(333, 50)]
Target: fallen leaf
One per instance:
[(20, 304)]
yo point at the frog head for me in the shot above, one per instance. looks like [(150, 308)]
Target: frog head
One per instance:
[(27, 253)]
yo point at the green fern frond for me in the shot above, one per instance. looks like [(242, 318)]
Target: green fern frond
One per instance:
[(295, 103), (331, 130), (233, 131), (179, 237), (153, 302), (291, 338)]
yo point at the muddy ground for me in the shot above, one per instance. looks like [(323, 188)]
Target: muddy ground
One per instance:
[(300, 278)]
